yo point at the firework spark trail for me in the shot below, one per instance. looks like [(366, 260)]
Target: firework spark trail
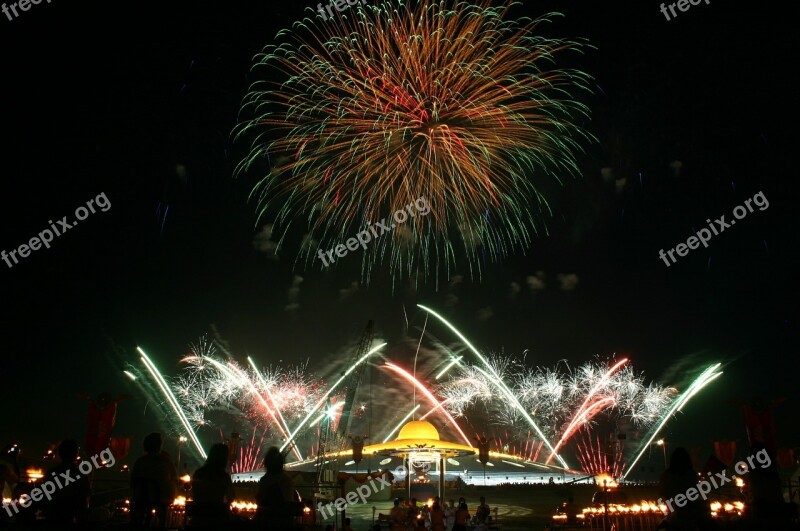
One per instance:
[(499, 383), (172, 400), (592, 410), (248, 458), (266, 387), (395, 102), (580, 415), (274, 397), (239, 380), (538, 451), (470, 387), (562, 400), (545, 393), (403, 421), (248, 383), (449, 366), (208, 384), (439, 406), (302, 423), (419, 385), (706, 377), (330, 413), (294, 391), (594, 460)]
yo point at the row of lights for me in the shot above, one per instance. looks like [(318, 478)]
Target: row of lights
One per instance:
[(645, 507), (236, 505)]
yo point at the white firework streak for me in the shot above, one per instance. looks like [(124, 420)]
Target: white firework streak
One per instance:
[(473, 385), (553, 395), (208, 384)]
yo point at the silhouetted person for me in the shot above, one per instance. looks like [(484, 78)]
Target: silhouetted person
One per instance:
[(449, 515), (483, 511), (571, 509), (154, 482), (436, 515), (212, 491), (764, 492), (275, 494), (678, 478), (424, 513), (70, 504), (398, 516), (462, 516), (413, 512)]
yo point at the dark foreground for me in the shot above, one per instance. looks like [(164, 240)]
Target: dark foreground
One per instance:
[(519, 508)]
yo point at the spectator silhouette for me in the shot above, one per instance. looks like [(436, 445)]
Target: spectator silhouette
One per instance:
[(462, 516), (398, 516), (413, 512), (572, 510), (275, 494), (765, 504), (154, 482), (450, 515), (677, 479), (483, 511), (69, 505), (436, 515), (212, 492)]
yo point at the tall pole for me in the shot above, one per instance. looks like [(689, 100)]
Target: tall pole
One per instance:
[(181, 440), (441, 478), (369, 430), (343, 514), (408, 476)]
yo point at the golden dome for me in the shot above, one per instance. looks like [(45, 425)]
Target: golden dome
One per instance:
[(418, 429)]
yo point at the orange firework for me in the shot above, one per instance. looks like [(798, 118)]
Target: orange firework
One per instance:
[(389, 103)]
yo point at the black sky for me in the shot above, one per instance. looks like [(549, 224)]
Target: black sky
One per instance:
[(113, 97)]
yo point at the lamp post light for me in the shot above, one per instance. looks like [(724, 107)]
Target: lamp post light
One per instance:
[(181, 440), (663, 444)]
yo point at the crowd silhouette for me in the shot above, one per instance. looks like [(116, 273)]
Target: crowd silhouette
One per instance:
[(154, 488)]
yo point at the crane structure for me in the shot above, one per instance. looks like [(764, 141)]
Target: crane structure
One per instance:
[(346, 421), (331, 440)]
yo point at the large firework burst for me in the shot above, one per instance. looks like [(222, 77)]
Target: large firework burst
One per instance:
[(561, 399), (388, 103), (263, 397)]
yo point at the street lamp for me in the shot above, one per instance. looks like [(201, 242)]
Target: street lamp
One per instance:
[(181, 440), (663, 444)]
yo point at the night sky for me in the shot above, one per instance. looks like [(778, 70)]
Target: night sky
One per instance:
[(138, 100)]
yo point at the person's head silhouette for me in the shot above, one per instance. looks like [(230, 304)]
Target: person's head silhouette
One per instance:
[(152, 443), (680, 461), (68, 451), (273, 460), (217, 457)]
